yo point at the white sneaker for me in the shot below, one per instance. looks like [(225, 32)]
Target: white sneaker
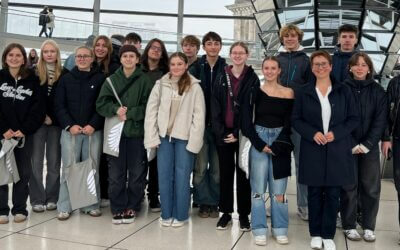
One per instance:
[(51, 206), (260, 240), (63, 216), (95, 212), (316, 242), (302, 212), (19, 218), (3, 219), (38, 208), (352, 234), (282, 239), (104, 203), (178, 223), (369, 235), (166, 222), (329, 244)]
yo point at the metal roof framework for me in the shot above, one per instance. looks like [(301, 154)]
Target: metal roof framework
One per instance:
[(377, 21)]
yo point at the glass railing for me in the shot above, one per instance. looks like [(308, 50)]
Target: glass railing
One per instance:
[(27, 23)]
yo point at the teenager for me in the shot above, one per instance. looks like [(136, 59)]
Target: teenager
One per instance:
[(76, 96), (133, 39), (371, 99), (47, 137), (155, 64), (33, 59), (295, 73), (190, 47), (346, 48), (266, 115), (133, 88), (324, 114), (22, 112), (206, 170), (174, 124), (228, 93)]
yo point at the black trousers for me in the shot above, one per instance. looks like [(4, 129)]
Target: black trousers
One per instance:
[(103, 176), (152, 185), (23, 158), (323, 204), (128, 163), (364, 195), (228, 156), (396, 170), (44, 30)]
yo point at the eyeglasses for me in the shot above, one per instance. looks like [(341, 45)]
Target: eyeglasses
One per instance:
[(320, 65), (238, 53), (83, 56), (155, 48)]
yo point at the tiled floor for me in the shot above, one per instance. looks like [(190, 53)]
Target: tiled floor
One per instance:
[(44, 231)]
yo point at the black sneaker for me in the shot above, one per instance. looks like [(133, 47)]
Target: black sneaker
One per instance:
[(244, 223), (195, 205), (154, 204), (224, 221), (117, 218), (128, 216)]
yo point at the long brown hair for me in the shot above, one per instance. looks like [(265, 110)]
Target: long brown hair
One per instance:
[(275, 59), (23, 70), (184, 81), (106, 61), (41, 69)]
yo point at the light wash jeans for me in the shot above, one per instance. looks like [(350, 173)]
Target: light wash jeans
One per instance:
[(261, 176), (81, 153), (175, 164)]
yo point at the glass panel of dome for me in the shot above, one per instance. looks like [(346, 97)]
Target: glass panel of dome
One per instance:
[(380, 19), (165, 6), (293, 3), (224, 27), (70, 3), (293, 17), (381, 40), (327, 39), (330, 19), (266, 21), (382, 3), (211, 7)]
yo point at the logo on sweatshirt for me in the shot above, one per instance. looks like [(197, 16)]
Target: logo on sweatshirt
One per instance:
[(19, 93)]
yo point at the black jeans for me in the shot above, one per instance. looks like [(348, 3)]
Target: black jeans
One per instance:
[(228, 155), (44, 30), (323, 204), (103, 176), (23, 158), (396, 169), (129, 160), (364, 194), (152, 186)]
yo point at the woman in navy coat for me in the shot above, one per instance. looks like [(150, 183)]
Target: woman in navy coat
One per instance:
[(324, 115)]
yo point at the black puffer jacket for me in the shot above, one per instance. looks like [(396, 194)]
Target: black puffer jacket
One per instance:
[(393, 117), (296, 70), (76, 96), (371, 102), (22, 105), (219, 99)]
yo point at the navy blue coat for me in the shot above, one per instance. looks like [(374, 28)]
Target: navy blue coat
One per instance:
[(331, 164), (340, 62)]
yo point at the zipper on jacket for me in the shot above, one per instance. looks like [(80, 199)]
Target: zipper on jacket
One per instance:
[(288, 72), (15, 89)]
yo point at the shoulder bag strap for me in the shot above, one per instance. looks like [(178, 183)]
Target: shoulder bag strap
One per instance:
[(113, 89)]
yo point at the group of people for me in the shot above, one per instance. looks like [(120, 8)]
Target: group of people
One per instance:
[(46, 21), (205, 118)]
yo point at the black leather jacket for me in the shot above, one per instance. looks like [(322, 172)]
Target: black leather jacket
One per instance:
[(371, 102)]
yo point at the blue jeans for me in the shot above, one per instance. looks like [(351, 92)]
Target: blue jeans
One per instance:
[(206, 172), (261, 175), (175, 164), (301, 188), (81, 153)]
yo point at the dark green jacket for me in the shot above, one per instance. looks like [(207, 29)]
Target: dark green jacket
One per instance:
[(135, 99)]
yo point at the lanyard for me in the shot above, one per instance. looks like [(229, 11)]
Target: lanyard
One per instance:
[(230, 91)]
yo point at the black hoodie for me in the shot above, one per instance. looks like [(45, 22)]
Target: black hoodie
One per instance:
[(76, 96), (21, 103)]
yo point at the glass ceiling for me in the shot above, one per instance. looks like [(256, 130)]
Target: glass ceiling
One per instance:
[(319, 19)]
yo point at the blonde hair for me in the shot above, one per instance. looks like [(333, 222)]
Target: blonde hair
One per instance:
[(41, 68), (289, 28)]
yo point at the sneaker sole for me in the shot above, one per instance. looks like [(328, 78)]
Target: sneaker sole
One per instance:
[(128, 221), (369, 240), (19, 221), (353, 239), (155, 210), (51, 208), (261, 243), (203, 215), (38, 211), (224, 228), (62, 218), (245, 229), (117, 221)]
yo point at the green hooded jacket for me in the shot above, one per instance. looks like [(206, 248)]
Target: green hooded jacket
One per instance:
[(135, 99)]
